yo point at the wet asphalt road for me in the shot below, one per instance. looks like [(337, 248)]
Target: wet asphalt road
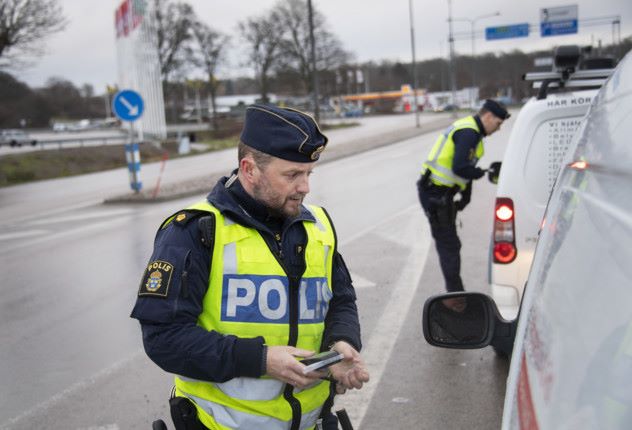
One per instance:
[(72, 358)]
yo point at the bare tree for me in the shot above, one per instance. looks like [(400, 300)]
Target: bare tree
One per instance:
[(173, 23), (296, 46), (264, 38), (209, 53), (23, 25)]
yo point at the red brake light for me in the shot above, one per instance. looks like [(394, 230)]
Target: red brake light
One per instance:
[(504, 231), (504, 252)]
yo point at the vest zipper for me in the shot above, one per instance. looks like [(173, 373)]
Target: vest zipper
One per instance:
[(293, 287)]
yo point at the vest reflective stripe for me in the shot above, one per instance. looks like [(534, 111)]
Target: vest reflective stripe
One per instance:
[(252, 389), (441, 155), (226, 419), (248, 296)]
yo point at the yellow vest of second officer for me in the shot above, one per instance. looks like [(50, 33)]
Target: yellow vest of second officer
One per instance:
[(250, 295), (441, 155)]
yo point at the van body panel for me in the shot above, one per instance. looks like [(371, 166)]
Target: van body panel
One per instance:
[(572, 363), (538, 145)]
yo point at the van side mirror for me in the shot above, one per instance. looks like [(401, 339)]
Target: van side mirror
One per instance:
[(493, 172), (465, 320)]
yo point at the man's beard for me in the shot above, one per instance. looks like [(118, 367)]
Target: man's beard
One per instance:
[(270, 200)]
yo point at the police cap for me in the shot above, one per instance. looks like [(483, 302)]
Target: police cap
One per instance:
[(497, 108), (284, 133)]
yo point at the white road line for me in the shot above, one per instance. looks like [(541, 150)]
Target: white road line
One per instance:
[(360, 282), (380, 345), (21, 234), (22, 219), (80, 230), (82, 216), (81, 385), (371, 229)]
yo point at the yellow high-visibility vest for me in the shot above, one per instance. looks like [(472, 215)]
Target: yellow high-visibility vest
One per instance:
[(249, 295), (441, 155)]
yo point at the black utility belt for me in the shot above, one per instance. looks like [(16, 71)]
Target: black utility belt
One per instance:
[(441, 188)]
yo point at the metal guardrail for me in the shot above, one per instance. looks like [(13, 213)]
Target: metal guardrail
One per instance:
[(83, 141)]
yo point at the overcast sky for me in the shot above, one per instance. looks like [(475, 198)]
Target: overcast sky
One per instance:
[(375, 30)]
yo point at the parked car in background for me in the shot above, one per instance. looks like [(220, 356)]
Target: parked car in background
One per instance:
[(446, 108), (60, 126), (571, 363), (539, 142), (14, 137)]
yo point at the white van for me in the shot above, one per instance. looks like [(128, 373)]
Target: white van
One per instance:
[(539, 142), (571, 365)]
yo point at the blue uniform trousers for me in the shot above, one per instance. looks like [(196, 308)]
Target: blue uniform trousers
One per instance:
[(438, 206)]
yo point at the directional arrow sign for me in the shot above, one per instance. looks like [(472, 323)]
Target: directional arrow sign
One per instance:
[(127, 105)]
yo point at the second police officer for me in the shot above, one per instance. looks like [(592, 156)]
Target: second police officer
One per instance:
[(449, 170)]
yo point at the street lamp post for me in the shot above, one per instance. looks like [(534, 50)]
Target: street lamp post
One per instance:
[(452, 62), (312, 44), (472, 22), (412, 43)]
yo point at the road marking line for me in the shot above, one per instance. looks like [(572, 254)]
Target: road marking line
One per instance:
[(79, 217), (373, 228), (380, 345), (360, 282), (74, 388), (21, 234), (81, 230), (22, 219)]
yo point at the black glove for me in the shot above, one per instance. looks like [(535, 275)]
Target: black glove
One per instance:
[(494, 171), (479, 173)]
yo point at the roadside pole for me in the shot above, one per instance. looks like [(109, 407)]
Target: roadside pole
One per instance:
[(412, 45), (128, 106), (132, 156)]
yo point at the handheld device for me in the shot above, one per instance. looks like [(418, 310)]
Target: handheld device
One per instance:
[(320, 360)]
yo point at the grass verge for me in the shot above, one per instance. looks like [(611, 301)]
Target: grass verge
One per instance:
[(58, 163)]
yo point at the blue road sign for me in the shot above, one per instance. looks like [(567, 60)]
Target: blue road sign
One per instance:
[(556, 21), (558, 28), (507, 31), (127, 105)]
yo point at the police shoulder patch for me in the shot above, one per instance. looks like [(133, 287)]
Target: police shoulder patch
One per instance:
[(183, 217), (156, 279)]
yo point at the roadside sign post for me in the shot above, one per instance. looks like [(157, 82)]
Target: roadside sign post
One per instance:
[(128, 106)]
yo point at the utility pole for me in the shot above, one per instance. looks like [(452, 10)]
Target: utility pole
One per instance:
[(313, 60), (472, 22), (412, 44), (452, 62)]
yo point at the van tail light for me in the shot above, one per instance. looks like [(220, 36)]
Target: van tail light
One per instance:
[(504, 231)]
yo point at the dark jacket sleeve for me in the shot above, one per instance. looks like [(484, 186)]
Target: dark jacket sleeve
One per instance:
[(464, 163), (341, 322), (171, 336)]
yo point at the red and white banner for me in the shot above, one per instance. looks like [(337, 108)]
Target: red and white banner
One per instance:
[(128, 16)]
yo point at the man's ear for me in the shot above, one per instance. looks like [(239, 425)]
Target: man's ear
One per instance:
[(248, 168)]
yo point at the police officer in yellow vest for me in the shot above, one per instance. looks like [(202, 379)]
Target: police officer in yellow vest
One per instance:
[(245, 283), (450, 170)]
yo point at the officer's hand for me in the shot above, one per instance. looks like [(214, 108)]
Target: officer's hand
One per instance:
[(466, 195), (350, 372), (459, 205), (281, 364)]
